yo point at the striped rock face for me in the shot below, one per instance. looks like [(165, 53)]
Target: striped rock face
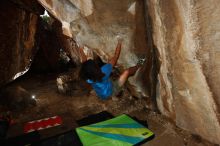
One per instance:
[(186, 34)]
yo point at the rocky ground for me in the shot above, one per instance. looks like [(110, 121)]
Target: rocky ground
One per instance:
[(72, 108)]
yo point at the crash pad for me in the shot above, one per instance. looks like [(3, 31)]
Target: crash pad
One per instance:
[(121, 131)]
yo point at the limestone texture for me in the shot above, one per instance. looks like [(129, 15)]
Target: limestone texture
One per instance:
[(186, 34)]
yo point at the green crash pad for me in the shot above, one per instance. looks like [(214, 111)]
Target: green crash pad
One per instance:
[(119, 131)]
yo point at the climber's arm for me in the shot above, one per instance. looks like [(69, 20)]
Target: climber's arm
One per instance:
[(114, 59)]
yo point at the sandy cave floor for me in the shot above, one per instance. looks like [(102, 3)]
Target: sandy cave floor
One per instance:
[(72, 108)]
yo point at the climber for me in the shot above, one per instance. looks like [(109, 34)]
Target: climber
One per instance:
[(99, 78)]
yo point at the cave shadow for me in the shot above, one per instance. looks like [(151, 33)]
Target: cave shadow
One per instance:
[(153, 60)]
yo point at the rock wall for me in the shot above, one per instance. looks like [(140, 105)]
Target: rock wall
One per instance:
[(97, 23), (67, 43), (186, 34), (17, 40)]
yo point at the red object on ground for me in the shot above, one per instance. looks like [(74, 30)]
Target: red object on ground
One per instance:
[(42, 124)]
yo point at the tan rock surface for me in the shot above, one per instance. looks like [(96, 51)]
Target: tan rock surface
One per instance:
[(186, 34)]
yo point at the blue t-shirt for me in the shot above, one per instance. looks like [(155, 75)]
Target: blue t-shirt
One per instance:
[(104, 88)]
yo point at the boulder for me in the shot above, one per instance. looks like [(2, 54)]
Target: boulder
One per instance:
[(17, 40), (186, 35), (68, 44), (96, 24)]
